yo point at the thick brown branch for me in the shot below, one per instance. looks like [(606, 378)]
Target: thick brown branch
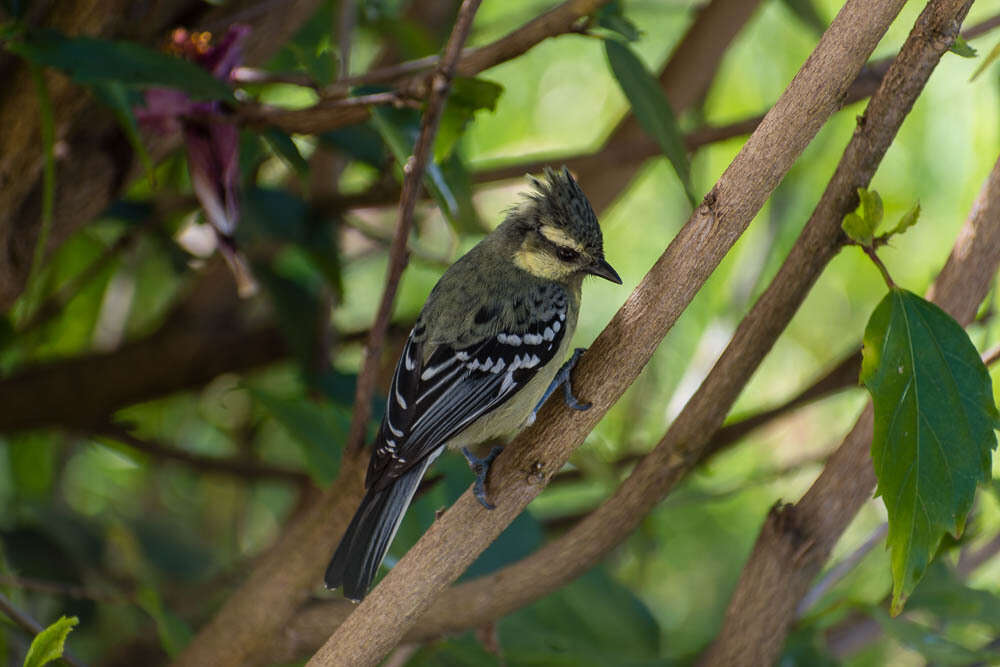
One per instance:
[(796, 540), (603, 374)]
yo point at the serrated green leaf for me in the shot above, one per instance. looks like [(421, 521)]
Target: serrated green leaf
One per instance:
[(908, 220), (468, 95), (871, 207), (612, 17), (90, 61), (858, 229), (987, 61), (930, 643), (934, 421), (808, 14), (961, 48), (48, 645), (651, 108), (319, 428)]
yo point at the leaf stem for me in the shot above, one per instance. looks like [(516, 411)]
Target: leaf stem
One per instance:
[(870, 251)]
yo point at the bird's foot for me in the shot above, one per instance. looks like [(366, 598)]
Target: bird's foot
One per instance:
[(481, 467), (562, 378)]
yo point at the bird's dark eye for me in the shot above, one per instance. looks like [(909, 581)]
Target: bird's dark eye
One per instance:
[(566, 254)]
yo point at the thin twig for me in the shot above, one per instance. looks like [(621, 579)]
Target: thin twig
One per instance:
[(398, 255), (841, 570), (226, 466), (30, 625), (60, 588)]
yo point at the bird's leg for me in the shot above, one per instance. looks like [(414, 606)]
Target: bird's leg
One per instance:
[(481, 466), (562, 378)]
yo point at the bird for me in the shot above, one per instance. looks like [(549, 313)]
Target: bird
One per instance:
[(485, 352)]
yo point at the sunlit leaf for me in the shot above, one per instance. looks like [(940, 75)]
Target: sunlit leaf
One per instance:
[(468, 96), (934, 421), (961, 47), (48, 645), (871, 207), (89, 61), (858, 229), (651, 108), (908, 220)]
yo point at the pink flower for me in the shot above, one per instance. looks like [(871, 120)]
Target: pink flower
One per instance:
[(212, 143)]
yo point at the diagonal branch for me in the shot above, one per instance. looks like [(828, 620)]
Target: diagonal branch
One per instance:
[(796, 540), (603, 374)]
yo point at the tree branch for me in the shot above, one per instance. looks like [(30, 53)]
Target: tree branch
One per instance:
[(796, 540), (520, 473), (210, 464), (398, 254)]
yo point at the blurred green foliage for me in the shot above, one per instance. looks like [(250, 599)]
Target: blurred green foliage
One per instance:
[(143, 547)]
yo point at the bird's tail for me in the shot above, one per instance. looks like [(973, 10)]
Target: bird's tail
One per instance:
[(371, 531)]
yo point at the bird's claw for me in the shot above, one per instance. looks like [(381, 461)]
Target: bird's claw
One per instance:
[(481, 467)]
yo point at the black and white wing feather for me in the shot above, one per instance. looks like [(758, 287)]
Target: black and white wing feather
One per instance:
[(432, 402)]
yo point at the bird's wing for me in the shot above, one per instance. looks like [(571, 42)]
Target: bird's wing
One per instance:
[(430, 403)]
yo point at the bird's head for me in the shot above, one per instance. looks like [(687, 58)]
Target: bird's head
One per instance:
[(556, 234)]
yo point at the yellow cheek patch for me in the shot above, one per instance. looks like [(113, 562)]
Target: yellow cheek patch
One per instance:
[(539, 263), (559, 237)]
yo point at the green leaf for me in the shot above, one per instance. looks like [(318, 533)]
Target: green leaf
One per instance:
[(593, 621), (908, 220), (808, 14), (319, 429), (48, 644), (174, 633), (468, 95), (116, 96), (987, 61), (934, 421), (930, 643), (942, 593), (858, 229), (91, 61), (399, 129), (651, 108), (871, 207), (961, 47), (283, 146), (612, 17)]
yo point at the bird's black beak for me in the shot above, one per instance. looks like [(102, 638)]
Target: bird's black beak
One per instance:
[(602, 269)]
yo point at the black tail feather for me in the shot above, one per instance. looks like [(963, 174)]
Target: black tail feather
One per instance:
[(367, 539)]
